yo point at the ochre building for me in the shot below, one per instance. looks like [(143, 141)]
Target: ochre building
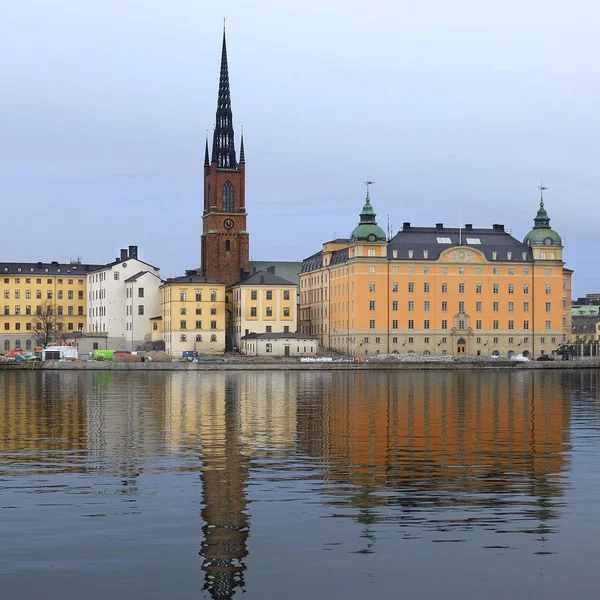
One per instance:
[(438, 290)]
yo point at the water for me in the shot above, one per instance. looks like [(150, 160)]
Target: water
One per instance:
[(299, 485)]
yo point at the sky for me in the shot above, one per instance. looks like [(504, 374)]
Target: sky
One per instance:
[(449, 107)]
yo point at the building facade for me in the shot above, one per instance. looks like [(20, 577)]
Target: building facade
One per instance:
[(278, 344), (225, 242), (29, 289), (123, 296), (193, 314), (262, 303), (438, 290)]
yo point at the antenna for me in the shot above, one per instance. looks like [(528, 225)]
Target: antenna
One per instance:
[(460, 224), (388, 228)]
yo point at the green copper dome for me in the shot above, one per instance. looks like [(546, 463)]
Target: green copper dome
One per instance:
[(368, 230), (542, 234)]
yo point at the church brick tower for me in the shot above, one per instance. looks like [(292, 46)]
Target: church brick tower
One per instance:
[(225, 245)]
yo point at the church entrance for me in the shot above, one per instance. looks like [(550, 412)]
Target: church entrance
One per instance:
[(461, 346)]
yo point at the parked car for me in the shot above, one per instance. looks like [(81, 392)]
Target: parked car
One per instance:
[(545, 357)]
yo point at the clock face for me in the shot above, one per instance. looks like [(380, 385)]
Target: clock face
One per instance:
[(228, 223), (548, 241), (372, 237)]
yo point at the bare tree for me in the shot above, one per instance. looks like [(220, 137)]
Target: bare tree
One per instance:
[(46, 325)]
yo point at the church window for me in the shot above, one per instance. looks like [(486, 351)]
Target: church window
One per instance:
[(227, 245), (227, 197)]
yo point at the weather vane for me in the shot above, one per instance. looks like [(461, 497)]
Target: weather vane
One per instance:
[(542, 188), (368, 183)]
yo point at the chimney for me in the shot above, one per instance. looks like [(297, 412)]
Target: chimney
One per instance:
[(468, 226), (498, 227), (123, 253), (406, 225), (439, 226), (133, 252)]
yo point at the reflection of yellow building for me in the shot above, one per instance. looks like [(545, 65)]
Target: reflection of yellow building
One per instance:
[(193, 314), (438, 290), (28, 288)]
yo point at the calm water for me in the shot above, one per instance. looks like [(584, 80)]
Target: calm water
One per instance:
[(296, 485)]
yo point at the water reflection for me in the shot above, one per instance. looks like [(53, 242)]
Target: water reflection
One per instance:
[(416, 455)]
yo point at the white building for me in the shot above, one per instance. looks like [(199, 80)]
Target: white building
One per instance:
[(278, 344), (122, 298)]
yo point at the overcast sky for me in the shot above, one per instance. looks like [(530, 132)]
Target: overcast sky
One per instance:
[(105, 103)]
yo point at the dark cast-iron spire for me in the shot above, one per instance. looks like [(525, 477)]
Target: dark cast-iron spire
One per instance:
[(223, 151), (242, 154), (206, 159)]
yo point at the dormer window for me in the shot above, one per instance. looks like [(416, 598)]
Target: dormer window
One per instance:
[(394, 253), (494, 256), (411, 253), (509, 255), (524, 255), (425, 253)]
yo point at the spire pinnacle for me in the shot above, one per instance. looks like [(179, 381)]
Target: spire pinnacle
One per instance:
[(206, 159), (368, 183), (542, 188), (242, 154), (223, 150)]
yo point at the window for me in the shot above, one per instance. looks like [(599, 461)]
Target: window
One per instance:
[(461, 324), (525, 326), (495, 340), (411, 270), (395, 324), (269, 347), (511, 340), (371, 252), (115, 275), (69, 310), (227, 196), (394, 253), (38, 294), (28, 294), (183, 310), (461, 270), (69, 326), (140, 309), (511, 271), (548, 306), (426, 341), (494, 256), (411, 253), (444, 324), (227, 245), (496, 325), (411, 306), (426, 306), (213, 324), (478, 288), (80, 311), (28, 343), (509, 255), (496, 306), (371, 269), (411, 286), (461, 288), (7, 326), (253, 311), (496, 271), (552, 255), (269, 311), (426, 324), (140, 293), (478, 325), (182, 296), (198, 338), (372, 324), (461, 307), (198, 311), (526, 288), (286, 311), (473, 241), (543, 255), (286, 329), (411, 340), (49, 294), (286, 294), (444, 306), (496, 288), (253, 295), (548, 324), (371, 286), (511, 307), (182, 324), (198, 296), (154, 326), (213, 296), (548, 289), (395, 286), (553, 340), (426, 270), (70, 294), (425, 253), (213, 311), (426, 287), (269, 329), (394, 340), (478, 306), (269, 295), (183, 338), (511, 324), (198, 324), (511, 288), (28, 309), (444, 240), (394, 305), (7, 310), (6, 343), (411, 324), (444, 288)]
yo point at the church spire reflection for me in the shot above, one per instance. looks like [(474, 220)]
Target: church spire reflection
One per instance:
[(224, 476)]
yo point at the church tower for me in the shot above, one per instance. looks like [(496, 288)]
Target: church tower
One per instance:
[(225, 245)]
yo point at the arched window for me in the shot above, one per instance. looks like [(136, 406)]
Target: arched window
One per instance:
[(228, 197), (213, 338), (17, 344), (198, 338), (6, 345), (183, 338), (227, 245), (27, 344)]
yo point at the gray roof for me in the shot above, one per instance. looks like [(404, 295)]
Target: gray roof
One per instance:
[(584, 325), (139, 274), (45, 268), (190, 277), (278, 336), (420, 239), (286, 269), (263, 278)]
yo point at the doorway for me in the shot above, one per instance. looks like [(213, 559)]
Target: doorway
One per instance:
[(461, 346), (286, 350)]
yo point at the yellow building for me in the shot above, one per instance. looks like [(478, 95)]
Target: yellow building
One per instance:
[(262, 303), (193, 314), (156, 329), (29, 289), (438, 290)]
